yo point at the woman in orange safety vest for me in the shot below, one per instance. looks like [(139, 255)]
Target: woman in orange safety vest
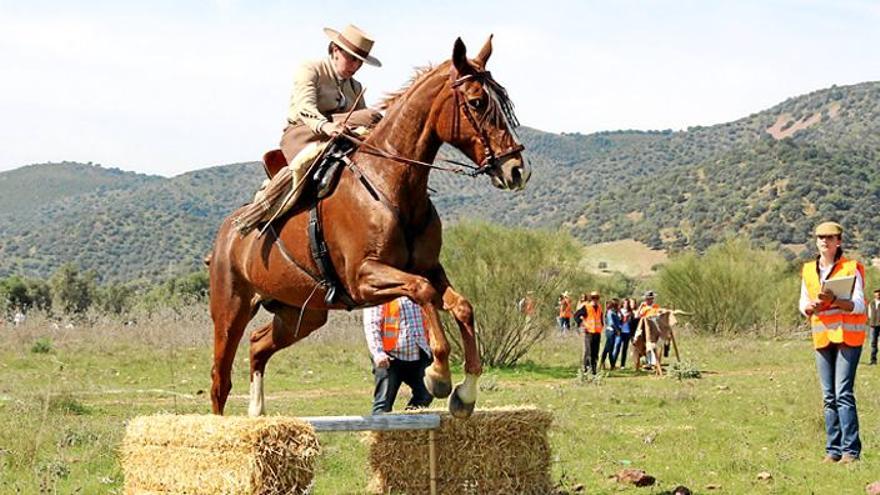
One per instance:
[(838, 323)]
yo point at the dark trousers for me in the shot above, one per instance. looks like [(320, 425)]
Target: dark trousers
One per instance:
[(875, 333), (388, 382), (591, 351)]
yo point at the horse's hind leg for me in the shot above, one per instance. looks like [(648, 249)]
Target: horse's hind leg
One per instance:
[(285, 329), (231, 311)]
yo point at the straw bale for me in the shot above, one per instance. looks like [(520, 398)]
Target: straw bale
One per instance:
[(495, 451), (207, 454)]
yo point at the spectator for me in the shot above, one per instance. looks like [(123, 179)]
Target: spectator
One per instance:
[(874, 323), (564, 319), (649, 309), (526, 305), (621, 344), (612, 331), (399, 349), (592, 324)]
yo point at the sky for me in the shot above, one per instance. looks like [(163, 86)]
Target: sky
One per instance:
[(166, 87)]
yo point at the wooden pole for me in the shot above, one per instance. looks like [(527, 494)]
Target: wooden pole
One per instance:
[(432, 459), (674, 345)]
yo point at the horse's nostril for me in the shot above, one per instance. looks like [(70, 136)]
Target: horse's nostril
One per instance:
[(516, 175)]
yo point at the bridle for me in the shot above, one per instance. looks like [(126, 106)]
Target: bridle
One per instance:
[(495, 92), (491, 160)]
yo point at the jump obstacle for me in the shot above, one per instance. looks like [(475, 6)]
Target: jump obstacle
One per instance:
[(495, 451)]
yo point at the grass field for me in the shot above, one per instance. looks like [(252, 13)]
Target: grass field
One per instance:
[(756, 408)]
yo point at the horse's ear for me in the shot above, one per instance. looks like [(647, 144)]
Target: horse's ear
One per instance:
[(485, 52), (459, 56)]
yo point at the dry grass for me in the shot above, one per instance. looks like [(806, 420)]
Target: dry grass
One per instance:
[(632, 258)]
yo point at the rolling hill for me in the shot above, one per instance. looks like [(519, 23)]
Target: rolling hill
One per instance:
[(769, 176)]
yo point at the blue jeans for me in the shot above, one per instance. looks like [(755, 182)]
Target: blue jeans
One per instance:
[(608, 348), (621, 345), (837, 365), (564, 324)]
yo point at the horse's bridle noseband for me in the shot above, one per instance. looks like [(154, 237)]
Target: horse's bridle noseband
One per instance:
[(491, 159)]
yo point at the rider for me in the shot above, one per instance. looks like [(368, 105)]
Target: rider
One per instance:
[(324, 91)]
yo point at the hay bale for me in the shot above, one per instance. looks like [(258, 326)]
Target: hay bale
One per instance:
[(206, 454), (499, 451)]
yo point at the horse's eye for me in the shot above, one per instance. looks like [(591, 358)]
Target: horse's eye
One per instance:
[(476, 103)]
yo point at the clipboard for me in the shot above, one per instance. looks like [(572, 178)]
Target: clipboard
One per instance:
[(841, 287)]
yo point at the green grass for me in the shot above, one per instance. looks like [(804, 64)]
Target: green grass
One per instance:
[(756, 408)]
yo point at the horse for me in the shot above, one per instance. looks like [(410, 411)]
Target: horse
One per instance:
[(382, 230)]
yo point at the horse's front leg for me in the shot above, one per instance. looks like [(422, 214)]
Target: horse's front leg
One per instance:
[(378, 280), (463, 399)]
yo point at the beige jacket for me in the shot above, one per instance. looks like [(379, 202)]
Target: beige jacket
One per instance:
[(873, 314), (318, 93)]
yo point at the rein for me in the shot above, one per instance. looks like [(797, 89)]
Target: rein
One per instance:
[(466, 169)]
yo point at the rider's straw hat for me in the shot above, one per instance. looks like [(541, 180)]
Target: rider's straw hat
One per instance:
[(355, 42)]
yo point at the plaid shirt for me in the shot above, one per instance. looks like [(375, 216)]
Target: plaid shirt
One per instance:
[(410, 339)]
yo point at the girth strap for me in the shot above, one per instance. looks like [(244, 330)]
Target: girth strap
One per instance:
[(321, 256)]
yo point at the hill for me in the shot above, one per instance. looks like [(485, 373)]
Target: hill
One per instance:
[(762, 176)]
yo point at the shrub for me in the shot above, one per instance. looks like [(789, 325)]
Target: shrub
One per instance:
[(42, 346), (494, 267), (733, 287)]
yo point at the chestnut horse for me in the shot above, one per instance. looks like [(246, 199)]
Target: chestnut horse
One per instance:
[(383, 243)]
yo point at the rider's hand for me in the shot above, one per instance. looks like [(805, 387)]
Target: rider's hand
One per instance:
[(383, 362), (332, 128)]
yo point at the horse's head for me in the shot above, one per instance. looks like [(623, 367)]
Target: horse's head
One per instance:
[(479, 119)]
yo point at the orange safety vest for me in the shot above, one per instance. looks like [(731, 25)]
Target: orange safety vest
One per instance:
[(565, 308), (390, 324), (594, 321), (645, 311), (833, 325)]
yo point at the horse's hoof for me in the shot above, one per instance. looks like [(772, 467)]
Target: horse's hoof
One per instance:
[(458, 408), (438, 387)]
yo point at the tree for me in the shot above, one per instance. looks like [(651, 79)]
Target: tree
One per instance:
[(72, 292)]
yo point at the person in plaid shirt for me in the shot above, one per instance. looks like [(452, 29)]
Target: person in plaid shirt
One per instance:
[(396, 338)]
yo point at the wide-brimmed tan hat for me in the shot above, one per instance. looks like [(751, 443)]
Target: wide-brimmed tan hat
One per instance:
[(595, 293), (829, 228), (355, 42)]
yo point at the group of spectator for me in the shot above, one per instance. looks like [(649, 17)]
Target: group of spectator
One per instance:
[(618, 320)]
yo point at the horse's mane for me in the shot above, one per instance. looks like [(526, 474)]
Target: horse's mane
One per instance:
[(418, 74), (499, 107)]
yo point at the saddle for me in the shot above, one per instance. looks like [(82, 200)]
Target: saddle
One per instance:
[(319, 181)]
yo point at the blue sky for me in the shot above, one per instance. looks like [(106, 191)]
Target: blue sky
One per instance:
[(166, 87)]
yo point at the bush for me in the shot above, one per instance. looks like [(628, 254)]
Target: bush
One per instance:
[(42, 346), (733, 287), (494, 267)]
